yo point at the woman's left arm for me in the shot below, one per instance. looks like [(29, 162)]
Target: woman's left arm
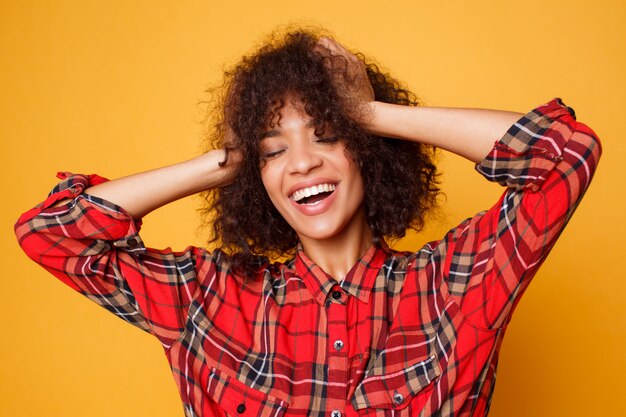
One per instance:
[(545, 158), (470, 133)]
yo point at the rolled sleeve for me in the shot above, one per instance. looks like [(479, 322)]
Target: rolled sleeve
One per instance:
[(531, 148), (84, 216)]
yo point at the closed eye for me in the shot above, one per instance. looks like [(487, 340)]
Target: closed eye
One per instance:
[(271, 154), (330, 139)]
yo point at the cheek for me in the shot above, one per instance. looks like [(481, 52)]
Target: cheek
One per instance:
[(354, 172), (272, 185), (359, 188)]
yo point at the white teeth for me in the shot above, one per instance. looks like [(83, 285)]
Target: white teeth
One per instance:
[(309, 191)]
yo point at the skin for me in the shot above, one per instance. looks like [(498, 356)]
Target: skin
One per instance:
[(295, 158), (338, 238)]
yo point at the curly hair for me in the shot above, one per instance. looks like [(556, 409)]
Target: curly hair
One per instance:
[(400, 178)]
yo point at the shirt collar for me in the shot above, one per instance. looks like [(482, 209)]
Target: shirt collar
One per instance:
[(358, 282)]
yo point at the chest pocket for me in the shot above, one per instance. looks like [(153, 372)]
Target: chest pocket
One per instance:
[(401, 393), (237, 399)]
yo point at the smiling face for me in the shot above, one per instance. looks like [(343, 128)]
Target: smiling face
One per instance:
[(311, 180)]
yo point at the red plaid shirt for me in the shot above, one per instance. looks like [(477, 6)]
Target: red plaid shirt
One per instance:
[(403, 333)]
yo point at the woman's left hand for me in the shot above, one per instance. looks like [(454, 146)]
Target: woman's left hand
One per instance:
[(351, 80)]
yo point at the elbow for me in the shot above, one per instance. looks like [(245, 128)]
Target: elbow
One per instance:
[(26, 235), (585, 148)]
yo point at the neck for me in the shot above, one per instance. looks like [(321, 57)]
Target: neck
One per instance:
[(338, 254)]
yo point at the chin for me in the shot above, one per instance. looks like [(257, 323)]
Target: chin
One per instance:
[(322, 230), (318, 233)]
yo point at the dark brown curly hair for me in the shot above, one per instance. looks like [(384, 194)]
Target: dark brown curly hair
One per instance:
[(400, 178)]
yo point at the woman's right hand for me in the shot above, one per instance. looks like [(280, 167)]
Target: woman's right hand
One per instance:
[(232, 157), (229, 161)]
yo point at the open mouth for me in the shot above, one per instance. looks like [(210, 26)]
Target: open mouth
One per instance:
[(313, 195)]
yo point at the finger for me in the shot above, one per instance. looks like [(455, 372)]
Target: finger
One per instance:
[(354, 65), (339, 48), (330, 47), (324, 47)]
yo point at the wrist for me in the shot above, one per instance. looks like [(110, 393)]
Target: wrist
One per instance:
[(216, 168), (382, 119), (368, 116)]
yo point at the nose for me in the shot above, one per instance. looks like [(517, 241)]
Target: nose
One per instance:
[(303, 159)]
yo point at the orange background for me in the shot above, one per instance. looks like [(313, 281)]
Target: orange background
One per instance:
[(112, 87)]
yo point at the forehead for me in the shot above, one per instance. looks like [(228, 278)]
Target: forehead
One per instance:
[(289, 106), (291, 117)]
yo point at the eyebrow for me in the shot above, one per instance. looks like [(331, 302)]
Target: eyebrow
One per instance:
[(272, 133)]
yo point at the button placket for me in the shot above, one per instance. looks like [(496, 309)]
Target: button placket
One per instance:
[(336, 353)]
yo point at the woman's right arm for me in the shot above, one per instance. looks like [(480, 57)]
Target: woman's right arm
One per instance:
[(86, 233), (141, 193)]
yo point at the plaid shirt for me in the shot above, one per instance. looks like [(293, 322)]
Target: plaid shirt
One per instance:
[(403, 334)]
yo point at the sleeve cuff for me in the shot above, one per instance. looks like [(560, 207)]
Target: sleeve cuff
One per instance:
[(531, 148), (88, 216)]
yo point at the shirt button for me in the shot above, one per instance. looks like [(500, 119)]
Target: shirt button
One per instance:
[(338, 345), (398, 398), (337, 296), (335, 413), (241, 408)]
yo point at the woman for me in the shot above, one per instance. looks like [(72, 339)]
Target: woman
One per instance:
[(324, 157)]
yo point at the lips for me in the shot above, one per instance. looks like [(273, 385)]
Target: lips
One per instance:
[(314, 196), (301, 196), (313, 182)]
